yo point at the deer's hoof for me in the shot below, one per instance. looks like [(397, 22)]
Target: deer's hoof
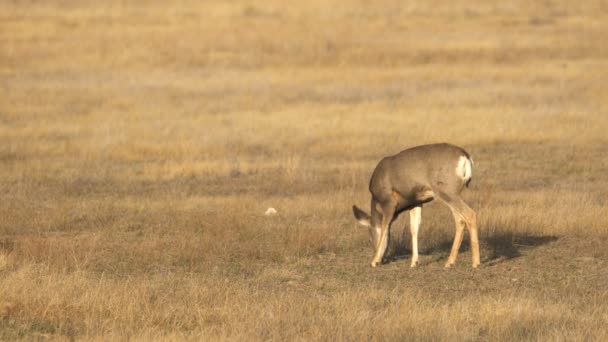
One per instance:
[(375, 263)]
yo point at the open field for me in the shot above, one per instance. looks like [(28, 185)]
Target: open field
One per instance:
[(141, 143)]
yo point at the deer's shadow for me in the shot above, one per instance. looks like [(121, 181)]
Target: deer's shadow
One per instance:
[(497, 248)]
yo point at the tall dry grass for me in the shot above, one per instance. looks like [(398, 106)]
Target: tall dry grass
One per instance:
[(141, 143)]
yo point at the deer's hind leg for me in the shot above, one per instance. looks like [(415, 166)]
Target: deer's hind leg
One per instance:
[(463, 216)]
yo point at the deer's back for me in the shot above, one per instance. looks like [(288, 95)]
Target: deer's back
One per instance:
[(417, 169)]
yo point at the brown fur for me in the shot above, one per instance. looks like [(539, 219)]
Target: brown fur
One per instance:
[(408, 180)]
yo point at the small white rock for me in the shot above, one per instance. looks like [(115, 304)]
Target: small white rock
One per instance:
[(270, 212)]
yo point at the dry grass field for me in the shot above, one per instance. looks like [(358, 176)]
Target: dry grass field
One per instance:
[(142, 141)]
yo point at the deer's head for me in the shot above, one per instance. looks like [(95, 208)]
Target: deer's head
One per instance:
[(364, 220)]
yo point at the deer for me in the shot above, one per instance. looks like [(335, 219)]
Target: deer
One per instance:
[(413, 177)]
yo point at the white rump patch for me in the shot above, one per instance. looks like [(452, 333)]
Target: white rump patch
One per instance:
[(464, 168)]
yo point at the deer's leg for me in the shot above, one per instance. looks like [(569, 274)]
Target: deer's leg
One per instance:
[(457, 237), (376, 220), (388, 212), (463, 215), (471, 220), (415, 218)]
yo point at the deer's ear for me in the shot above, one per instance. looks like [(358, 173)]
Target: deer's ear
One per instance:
[(361, 216)]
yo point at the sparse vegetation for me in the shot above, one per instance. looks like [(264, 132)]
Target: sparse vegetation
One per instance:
[(141, 143)]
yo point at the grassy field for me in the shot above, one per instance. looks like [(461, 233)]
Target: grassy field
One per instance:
[(141, 143)]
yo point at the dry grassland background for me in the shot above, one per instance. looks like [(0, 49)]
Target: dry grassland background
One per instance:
[(142, 141)]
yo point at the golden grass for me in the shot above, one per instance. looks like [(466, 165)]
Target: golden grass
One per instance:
[(141, 143)]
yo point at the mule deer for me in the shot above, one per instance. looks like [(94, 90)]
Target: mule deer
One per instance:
[(411, 178)]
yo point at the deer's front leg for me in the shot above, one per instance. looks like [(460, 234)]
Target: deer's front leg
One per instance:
[(388, 211), (415, 218)]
